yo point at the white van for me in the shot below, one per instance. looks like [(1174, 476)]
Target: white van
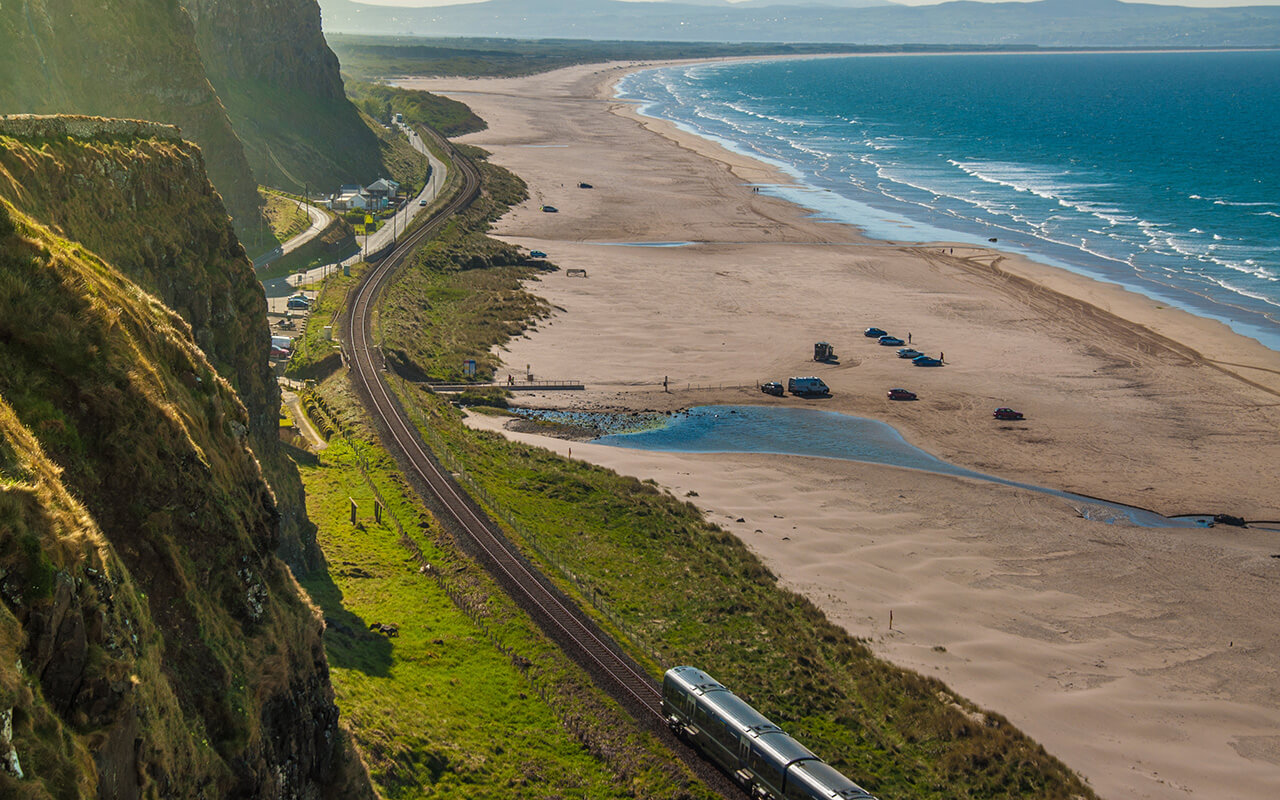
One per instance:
[(808, 385)]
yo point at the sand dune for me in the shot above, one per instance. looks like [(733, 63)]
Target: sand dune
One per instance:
[(1146, 659)]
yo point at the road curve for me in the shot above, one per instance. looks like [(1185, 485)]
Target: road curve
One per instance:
[(554, 613)]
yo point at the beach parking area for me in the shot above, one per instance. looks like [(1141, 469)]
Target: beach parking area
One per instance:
[(1145, 659)]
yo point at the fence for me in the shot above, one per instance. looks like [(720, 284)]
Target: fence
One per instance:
[(587, 591), (472, 604)]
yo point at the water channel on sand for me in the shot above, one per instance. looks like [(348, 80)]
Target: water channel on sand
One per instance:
[(824, 434)]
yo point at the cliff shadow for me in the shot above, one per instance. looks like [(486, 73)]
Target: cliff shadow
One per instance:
[(350, 641)]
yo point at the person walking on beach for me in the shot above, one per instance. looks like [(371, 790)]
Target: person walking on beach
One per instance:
[(664, 383), (942, 356), (908, 337)]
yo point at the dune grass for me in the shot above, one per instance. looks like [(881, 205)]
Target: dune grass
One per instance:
[(462, 293), (684, 591)]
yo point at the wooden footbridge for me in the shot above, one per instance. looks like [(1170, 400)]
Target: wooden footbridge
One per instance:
[(514, 386)]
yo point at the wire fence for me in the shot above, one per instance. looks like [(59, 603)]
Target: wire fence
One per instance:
[(472, 604), (587, 590)]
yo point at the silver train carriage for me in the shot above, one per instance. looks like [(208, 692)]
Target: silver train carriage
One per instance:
[(756, 753)]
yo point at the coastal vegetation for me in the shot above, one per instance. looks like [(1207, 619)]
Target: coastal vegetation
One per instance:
[(447, 685), (461, 294), (673, 587), (369, 57), (446, 116), (285, 219)]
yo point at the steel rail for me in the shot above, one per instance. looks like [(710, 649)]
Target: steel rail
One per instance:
[(513, 572)]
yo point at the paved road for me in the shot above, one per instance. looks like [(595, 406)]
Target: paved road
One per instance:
[(283, 287), (319, 219), (303, 422)]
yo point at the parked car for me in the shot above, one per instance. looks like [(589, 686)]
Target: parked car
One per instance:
[(926, 361), (537, 254), (901, 394), (583, 185), (909, 352), (874, 333), (550, 209), (422, 202), (772, 387), (808, 386), (1006, 413), (277, 352), (890, 341), (298, 303)]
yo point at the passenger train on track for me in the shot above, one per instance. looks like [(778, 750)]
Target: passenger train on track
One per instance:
[(768, 763)]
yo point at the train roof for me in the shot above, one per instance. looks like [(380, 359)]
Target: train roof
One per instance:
[(823, 780), (693, 679), (728, 706)]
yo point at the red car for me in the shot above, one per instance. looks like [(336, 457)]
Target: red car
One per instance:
[(1006, 413), (901, 394)]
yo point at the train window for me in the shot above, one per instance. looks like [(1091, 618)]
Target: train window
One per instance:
[(700, 714), (767, 771)]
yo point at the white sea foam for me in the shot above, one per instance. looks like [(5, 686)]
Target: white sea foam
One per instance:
[(878, 174)]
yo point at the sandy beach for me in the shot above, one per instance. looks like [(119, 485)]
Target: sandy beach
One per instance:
[(1144, 658)]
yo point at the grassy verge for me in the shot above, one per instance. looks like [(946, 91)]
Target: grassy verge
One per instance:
[(463, 292), (449, 117), (314, 356), (467, 700), (686, 592)]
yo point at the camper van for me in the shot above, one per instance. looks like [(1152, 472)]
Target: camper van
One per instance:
[(807, 386)]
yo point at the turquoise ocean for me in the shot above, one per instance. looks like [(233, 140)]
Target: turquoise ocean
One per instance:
[(1156, 171)]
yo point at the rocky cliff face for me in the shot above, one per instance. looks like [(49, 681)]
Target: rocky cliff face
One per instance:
[(280, 83), (127, 58), (151, 644), (138, 196)]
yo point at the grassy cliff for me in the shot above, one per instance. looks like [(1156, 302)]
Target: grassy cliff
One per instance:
[(152, 644), (139, 197), (130, 58), (279, 81)]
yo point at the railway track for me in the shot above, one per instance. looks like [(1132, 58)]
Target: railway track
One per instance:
[(556, 615)]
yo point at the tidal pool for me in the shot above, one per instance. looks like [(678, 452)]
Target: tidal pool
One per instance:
[(827, 434)]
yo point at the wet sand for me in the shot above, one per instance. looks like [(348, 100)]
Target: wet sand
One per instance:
[(1145, 659)]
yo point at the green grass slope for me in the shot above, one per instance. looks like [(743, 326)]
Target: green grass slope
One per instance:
[(139, 197), (164, 650)]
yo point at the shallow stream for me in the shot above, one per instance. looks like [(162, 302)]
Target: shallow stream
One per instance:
[(827, 434)]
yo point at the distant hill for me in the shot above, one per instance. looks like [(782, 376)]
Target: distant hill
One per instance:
[(1053, 23)]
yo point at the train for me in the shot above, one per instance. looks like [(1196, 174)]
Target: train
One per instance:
[(765, 761)]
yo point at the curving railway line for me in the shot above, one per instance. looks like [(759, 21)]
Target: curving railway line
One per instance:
[(557, 616)]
